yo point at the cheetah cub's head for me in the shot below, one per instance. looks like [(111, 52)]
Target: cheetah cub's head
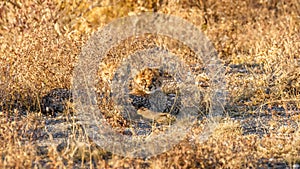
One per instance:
[(147, 81)]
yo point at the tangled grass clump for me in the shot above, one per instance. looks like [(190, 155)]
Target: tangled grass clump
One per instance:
[(40, 42)]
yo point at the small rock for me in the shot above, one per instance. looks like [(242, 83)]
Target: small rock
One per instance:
[(296, 166), (55, 101)]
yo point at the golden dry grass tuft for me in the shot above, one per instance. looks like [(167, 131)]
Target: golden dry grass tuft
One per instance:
[(258, 40)]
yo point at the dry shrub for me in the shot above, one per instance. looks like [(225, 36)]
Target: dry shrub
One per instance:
[(35, 58), (40, 42), (17, 150)]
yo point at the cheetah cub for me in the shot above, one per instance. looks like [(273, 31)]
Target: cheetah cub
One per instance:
[(148, 81)]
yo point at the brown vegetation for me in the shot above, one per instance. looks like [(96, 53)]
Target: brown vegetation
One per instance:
[(258, 40)]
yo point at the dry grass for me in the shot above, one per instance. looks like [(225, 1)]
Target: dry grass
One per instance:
[(258, 41)]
